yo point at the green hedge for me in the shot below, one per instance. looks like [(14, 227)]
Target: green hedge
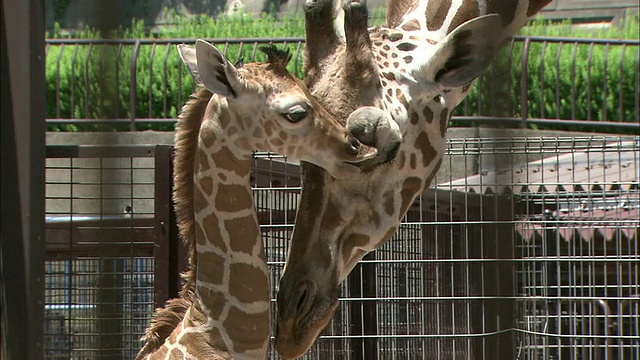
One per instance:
[(580, 83), (94, 82)]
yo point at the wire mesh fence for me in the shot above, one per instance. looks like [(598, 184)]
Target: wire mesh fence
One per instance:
[(523, 248), (99, 265)]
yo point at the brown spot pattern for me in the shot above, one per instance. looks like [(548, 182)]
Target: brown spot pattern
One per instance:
[(413, 161), (243, 233), (276, 142), (428, 114), (209, 341), (233, 198), (200, 201), (211, 268), (244, 328), (206, 184), (401, 98), (426, 149), (214, 299), (467, 11), (224, 118), (401, 158), (206, 136), (395, 36), (436, 13), (408, 59), (175, 354), (414, 118), (202, 161), (211, 232), (410, 188), (247, 283), (407, 46), (226, 160), (389, 76), (411, 25)]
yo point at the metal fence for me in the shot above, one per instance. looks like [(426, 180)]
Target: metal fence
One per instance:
[(549, 81), (524, 248)]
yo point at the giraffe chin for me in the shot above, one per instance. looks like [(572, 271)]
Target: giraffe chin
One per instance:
[(294, 337)]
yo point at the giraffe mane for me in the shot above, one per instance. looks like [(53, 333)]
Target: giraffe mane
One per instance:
[(275, 56), (165, 319)]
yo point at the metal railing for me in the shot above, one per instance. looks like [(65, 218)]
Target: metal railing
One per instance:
[(536, 81)]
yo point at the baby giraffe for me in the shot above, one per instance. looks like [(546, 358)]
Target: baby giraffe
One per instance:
[(257, 106)]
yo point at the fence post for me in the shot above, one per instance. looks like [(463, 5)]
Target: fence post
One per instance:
[(524, 109), (170, 254), (163, 218), (133, 85)]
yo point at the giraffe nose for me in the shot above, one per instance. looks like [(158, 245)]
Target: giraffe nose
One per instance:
[(374, 127)]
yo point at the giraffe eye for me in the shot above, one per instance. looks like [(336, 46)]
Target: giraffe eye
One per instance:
[(296, 114)]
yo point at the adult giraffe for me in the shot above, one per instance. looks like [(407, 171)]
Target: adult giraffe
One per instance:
[(416, 68), (224, 310)]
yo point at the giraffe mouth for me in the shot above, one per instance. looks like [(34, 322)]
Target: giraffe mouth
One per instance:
[(295, 335), (380, 159)]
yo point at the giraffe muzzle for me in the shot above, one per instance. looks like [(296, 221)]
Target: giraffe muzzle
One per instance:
[(374, 127)]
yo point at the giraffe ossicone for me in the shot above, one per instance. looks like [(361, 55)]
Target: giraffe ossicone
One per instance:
[(416, 68), (224, 308)]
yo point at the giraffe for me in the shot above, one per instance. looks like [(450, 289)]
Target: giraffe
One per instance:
[(224, 309), (416, 68)]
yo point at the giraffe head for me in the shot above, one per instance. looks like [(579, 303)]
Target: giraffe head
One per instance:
[(270, 110), (415, 75)]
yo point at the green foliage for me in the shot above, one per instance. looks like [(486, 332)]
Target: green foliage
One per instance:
[(94, 81), (564, 80)]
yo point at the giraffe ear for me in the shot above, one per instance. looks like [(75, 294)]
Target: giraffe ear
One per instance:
[(464, 54), (217, 73), (188, 56)]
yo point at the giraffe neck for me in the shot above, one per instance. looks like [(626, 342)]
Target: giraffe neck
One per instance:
[(441, 17), (231, 311)]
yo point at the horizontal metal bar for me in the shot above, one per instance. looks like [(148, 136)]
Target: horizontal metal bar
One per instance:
[(98, 151), (266, 40), (86, 121), (564, 39), (175, 41), (626, 126)]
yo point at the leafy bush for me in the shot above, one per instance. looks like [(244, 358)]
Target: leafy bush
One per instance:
[(94, 81)]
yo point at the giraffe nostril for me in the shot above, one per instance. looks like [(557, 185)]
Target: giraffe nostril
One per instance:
[(301, 300), (353, 146), (305, 298)]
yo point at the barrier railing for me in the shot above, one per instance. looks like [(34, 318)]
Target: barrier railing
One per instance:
[(535, 81)]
